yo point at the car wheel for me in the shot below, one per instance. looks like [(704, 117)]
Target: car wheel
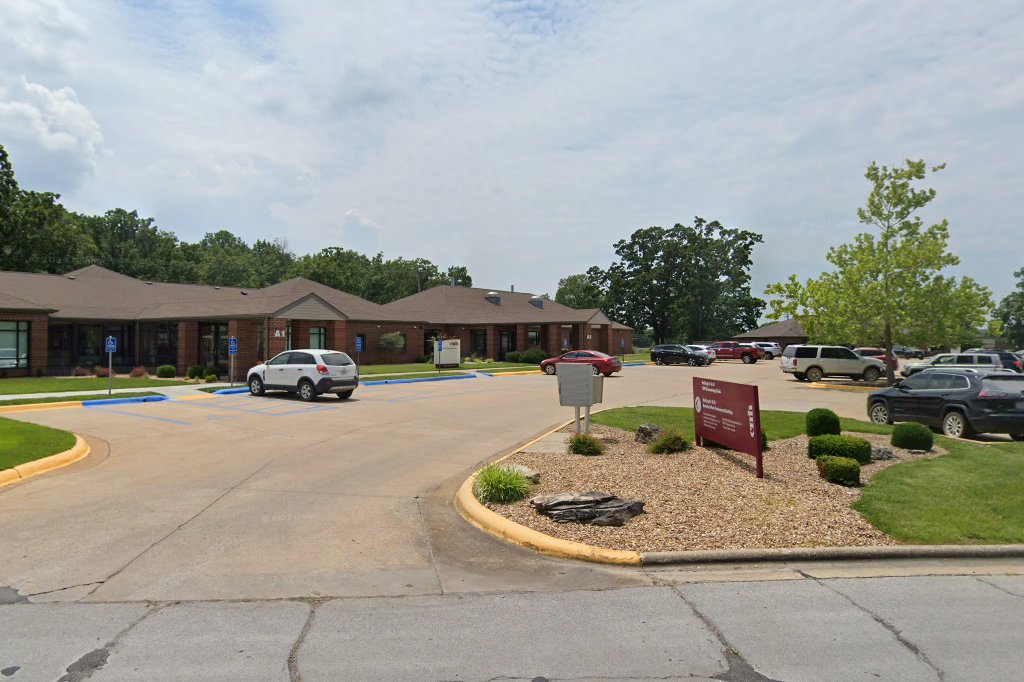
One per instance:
[(692, 362), (954, 425), (748, 359), (306, 391), (814, 374), (607, 374), (871, 374), (549, 369), (256, 386), (769, 356), (597, 370), (1017, 436), (800, 377), (879, 414), (344, 395), (659, 361)]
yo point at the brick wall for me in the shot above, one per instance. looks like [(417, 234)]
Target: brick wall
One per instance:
[(372, 354), (38, 342), (247, 333), (188, 345), (277, 339)]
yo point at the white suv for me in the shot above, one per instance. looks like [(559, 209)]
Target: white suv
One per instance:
[(812, 363), (309, 372), (769, 349)]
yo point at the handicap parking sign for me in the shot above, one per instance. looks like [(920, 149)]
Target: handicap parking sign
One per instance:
[(111, 344), (359, 344), (232, 346)]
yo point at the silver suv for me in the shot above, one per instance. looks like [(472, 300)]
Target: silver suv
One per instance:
[(950, 360), (812, 363), (310, 372), (769, 349)]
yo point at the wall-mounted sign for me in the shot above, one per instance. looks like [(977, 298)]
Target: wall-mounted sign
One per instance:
[(728, 414)]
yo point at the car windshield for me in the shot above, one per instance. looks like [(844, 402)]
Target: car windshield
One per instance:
[(1008, 384), (336, 359)]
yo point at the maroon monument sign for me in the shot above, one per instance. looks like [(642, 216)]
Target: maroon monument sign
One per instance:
[(728, 414)]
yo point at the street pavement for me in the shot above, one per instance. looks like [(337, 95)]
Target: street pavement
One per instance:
[(235, 537)]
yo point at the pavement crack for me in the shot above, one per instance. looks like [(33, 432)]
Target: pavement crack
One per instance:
[(990, 584), (893, 630), (69, 587), (89, 663), (293, 654), (737, 667), (430, 547)]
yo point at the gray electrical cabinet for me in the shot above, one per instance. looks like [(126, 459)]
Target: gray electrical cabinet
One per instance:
[(578, 386)]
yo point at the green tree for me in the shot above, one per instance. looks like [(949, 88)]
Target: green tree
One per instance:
[(580, 291), (45, 237), (8, 195), (459, 276), (686, 281), (342, 269), (887, 285), (271, 262), (131, 245), (1011, 313)]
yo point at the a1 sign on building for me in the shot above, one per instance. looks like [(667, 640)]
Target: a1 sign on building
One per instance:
[(728, 414)]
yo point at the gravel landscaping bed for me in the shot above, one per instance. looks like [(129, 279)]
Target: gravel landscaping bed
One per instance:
[(705, 498)]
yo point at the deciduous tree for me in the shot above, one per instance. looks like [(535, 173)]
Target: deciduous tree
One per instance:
[(1011, 313)]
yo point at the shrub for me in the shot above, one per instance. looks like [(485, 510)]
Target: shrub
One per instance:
[(841, 470), (912, 436), (81, 372), (423, 358), (513, 356), (139, 371), (585, 444), (764, 442), (166, 371), (101, 371), (822, 421), (671, 441), (499, 485), (39, 372), (831, 445), (533, 356), (195, 371), (392, 343), (212, 378)]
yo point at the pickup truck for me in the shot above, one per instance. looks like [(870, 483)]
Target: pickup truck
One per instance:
[(730, 350)]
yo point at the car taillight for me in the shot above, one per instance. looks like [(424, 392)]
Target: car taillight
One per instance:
[(794, 362), (322, 369), (993, 394)]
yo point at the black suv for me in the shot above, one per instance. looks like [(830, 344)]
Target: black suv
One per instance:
[(675, 354), (959, 401)]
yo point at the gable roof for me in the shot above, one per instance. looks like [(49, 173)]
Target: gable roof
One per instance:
[(781, 329)]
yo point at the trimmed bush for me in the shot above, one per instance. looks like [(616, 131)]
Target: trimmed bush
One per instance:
[(841, 470), (821, 421), (500, 485), (585, 444), (211, 378), (533, 356), (513, 356), (671, 441), (764, 442), (423, 358), (166, 372), (139, 371), (196, 371), (912, 436), (831, 445)]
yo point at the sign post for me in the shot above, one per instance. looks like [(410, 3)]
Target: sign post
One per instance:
[(728, 414), (232, 352), (111, 348), (359, 348)]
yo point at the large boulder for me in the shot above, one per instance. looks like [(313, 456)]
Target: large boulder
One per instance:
[(880, 452), (596, 508), (646, 433)]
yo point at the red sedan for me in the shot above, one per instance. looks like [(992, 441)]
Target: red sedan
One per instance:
[(603, 363), (878, 354)]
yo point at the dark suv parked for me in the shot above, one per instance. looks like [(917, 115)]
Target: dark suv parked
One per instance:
[(675, 354), (959, 401)]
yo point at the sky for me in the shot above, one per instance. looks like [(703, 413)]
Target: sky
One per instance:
[(521, 139)]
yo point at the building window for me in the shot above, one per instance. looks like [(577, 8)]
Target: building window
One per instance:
[(288, 338), (13, 345), (478, 343), (318, 337), (533, 338), (259, 342)]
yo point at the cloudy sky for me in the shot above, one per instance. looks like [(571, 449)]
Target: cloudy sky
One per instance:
[(520, 138)]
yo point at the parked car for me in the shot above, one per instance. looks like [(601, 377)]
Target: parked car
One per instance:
[(707, 349), (676, 354), (769, 349), (908, 352), (1008, 359), (730, 350), (958, 401), (985, 360), (310, 372), (879, 353), (813, 363), (602, 362)]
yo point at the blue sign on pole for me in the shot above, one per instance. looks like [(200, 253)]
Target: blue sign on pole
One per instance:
[(440, 344), (111, 345), (359, 344), (232, 346), (565, 344), (622, 343)]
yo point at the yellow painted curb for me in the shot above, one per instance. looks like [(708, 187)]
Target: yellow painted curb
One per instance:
[(31, 407), (204, 396), (78, 451), (495, 375)]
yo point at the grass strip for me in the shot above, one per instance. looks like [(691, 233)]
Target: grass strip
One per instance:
[(55, 385), (22, 442), (66, 398)]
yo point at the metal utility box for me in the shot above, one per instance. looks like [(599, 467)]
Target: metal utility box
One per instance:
[(578, 386)]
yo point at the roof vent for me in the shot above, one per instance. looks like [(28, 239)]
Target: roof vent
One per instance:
[(148, 282), (244, 293), (537, 301), (216, 287), (492, 297), (70, 276)]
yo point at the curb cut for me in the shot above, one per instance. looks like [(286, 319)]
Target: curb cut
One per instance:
[(40, 466), (230, 391), (124, 401)]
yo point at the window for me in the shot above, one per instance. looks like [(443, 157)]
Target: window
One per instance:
[(318, 337), (943, 381), (532, 338), (918, 381), (478, 342), (985, 360), (301, 359), (807, 352), (14, 345), (288, 338), (336, 359), (281, 359), (945, 360)]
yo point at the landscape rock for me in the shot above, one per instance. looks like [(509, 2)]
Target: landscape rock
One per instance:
[(646, 433), (596, 508), (532, 475), (880, 452)]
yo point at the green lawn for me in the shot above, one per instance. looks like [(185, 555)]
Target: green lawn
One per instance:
[(61, 399), (61, 385), (419, 367), (973, 495), (21, 442), (637, 357)]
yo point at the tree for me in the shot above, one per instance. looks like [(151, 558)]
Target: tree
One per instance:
[(1011, 313), (686, 281), (580, 291), (459, 276), (888, 286)]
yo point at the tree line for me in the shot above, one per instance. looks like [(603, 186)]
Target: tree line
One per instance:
[(38, 234)]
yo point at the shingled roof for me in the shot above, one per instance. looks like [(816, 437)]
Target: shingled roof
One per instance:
[(781, 329)]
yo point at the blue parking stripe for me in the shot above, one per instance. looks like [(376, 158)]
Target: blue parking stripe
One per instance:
[(100, 408)]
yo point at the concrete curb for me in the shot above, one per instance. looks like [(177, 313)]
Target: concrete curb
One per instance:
[(78, 451), (231, 391), (124, 401)]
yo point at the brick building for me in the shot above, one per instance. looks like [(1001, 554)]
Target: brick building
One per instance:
[(50, 324)]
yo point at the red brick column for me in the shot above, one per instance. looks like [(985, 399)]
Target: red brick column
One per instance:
[(553, 339), (520, 337), (609, 340), (276, 338), (492, 342), (188, 345), (246, 331), (337, 335)]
